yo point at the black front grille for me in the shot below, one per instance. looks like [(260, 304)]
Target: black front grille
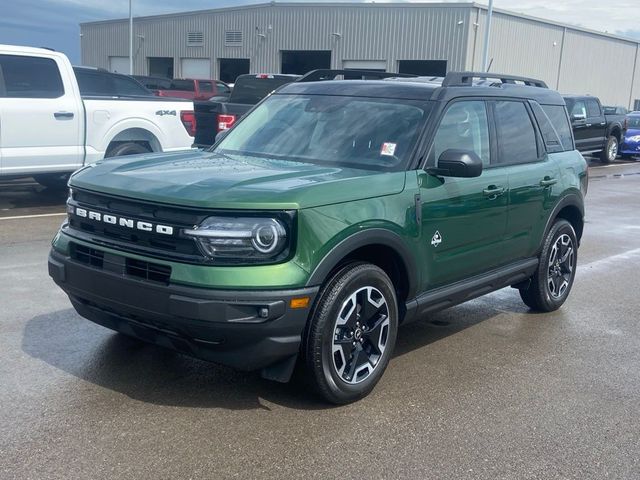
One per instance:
[(147, 270), (152, 272), (88, 256), (175, 246)]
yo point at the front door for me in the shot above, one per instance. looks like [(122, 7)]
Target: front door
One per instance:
[(41, 116), (463, 219)]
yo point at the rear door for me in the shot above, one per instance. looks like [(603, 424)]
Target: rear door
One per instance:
[(581, 133), (41, 115), (463, 219), (596, 123)]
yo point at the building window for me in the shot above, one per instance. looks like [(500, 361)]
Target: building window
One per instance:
[(195, 39), (233, 38)]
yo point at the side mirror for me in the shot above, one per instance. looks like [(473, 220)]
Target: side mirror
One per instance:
[(220, 135), (458, 163), (576, 117)]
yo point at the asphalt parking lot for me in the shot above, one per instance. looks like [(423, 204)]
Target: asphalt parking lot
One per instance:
[(483, 390)]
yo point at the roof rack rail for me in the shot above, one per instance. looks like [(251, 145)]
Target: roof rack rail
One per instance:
[(463, 79), (330, 74)]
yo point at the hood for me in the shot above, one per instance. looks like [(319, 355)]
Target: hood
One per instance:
[(209, 180), (631, 132)]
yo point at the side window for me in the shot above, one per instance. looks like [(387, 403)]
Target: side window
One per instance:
[(206, 86), (579, 109), (593, 109), (222, 88), (558, 117), (515, 132), (30, 77), (93, 83), (464, 126), (128, 86)]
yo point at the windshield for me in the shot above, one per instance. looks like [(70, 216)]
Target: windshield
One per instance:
[(633, 122), (358, 132)]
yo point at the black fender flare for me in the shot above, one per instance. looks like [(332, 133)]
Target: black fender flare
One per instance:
[(363, 238), (569, 200)]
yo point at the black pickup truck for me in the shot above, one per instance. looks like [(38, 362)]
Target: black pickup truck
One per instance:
[(594, 129), (249, 89)]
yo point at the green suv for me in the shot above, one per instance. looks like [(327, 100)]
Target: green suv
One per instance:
[(331, 214)]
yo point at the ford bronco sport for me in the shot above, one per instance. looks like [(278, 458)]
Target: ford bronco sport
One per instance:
[(332, 213)]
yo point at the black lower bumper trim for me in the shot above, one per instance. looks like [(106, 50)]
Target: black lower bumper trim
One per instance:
[(247, 330)]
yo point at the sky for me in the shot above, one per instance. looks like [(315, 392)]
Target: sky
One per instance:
[(54, 23)]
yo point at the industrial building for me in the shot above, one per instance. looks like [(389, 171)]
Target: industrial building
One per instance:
[(421, 38)]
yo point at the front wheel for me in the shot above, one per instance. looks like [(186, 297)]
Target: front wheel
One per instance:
[(550, 285), (610, 151), (352, 332), (53, 181)]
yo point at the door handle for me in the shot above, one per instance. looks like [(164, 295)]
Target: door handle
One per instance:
[(548, 181), (602, 124), (60, 115), (587, 124), (493, 191)]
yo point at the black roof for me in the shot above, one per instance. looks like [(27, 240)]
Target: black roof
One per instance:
[(422, 88)]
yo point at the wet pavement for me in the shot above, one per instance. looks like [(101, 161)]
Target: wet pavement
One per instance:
[(483, 390)]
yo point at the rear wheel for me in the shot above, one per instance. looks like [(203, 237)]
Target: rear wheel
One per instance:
[(126, 148), (53, 181), (550, 285), (610, 151), (352, 332)]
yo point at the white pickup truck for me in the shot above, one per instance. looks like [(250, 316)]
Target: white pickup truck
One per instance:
[(51, 126)]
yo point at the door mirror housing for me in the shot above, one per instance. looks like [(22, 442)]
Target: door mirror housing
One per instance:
[(576, 117), (458, 163)]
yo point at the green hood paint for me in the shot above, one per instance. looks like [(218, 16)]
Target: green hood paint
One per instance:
[(208, 180)]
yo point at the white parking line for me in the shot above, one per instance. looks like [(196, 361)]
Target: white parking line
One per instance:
[(18, 217)]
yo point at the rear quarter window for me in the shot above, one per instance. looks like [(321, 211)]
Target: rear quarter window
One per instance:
[(29, 77), (557, 116)]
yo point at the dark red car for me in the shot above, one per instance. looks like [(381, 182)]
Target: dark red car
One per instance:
[(185, 88)]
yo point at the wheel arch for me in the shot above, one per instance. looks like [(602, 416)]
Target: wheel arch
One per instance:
[(570, 208), (380, 247), (137, 135)]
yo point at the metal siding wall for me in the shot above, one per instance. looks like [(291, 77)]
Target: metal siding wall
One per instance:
[(598, 66), (635, 89), (369, 32), (520, 47)]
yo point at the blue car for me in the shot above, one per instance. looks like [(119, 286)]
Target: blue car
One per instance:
[(631, 141)]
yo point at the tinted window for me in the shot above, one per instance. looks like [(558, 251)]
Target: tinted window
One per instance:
[(29, 77), (516, 134), (183, 85), (128, 86), (557, 115), (206, 86), (222, 88), (358, 132), (250, 89), (463, 126), (593, 109), (633, 122), (579, 109), (92, 82)]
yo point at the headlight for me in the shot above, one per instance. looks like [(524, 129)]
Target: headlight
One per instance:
[(243, 239), (635, 138)]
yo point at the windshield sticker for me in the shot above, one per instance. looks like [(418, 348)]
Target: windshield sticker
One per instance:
[(388, 149)]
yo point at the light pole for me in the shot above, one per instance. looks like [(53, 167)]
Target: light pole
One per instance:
[(487, 34), (130, 39)]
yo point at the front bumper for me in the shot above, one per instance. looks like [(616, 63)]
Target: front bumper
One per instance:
[(244, 329)]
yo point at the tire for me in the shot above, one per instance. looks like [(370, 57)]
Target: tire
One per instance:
[(127, 148), (610, 151), (351, 333), (53, 181), (550, 285)]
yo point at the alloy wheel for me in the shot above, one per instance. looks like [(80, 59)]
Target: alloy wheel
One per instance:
[(560, 270), (360, 335)]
